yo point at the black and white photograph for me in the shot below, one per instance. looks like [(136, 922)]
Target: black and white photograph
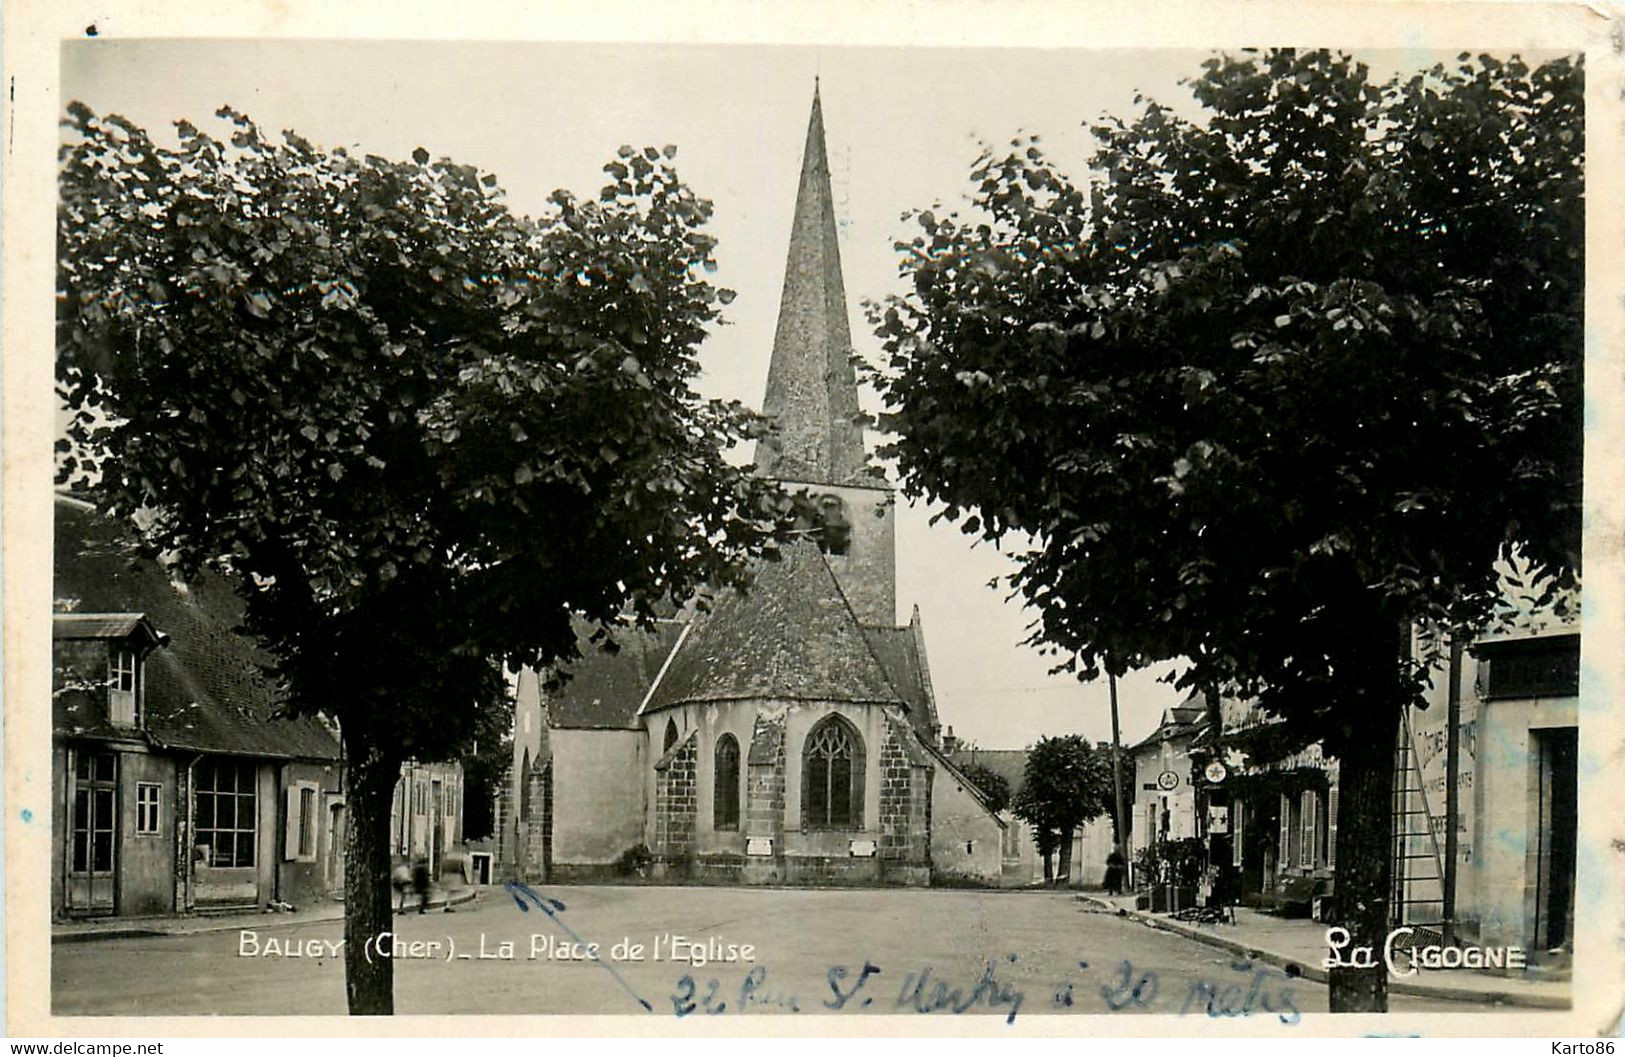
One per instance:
[(819, 529)]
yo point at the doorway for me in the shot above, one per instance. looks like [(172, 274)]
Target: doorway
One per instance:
[(92, 850), (1556, 756)]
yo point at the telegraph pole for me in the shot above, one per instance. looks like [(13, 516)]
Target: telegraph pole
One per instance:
[(1121, 829), (1452, 775)]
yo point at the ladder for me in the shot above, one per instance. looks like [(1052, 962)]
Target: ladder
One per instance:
[(1417, 897)]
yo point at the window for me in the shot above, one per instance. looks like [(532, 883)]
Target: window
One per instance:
[(671, 737), (725, 794), (227, 806), (148, 798), (1547, 667), (94, 793), (832, 777), (121, 695)]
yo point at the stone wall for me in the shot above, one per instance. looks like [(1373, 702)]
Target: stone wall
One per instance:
[(677, 801)]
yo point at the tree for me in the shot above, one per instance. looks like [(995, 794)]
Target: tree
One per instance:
[(1066, 784), (990, 783), (417, 431), (486, 767), (1280, 382)]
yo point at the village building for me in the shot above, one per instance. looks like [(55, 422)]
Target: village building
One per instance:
[(1158, 779), (177, 784), (789, 734), (1023, 864), (1508, 876)]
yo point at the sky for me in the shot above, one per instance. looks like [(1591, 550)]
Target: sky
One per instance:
[(903, 126)]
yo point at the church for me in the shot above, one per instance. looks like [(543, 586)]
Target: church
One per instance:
[(789, 735)]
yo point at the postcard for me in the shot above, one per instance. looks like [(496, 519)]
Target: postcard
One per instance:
[(1054, 517)]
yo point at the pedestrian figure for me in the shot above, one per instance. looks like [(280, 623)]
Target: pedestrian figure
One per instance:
[(1114, 873), (401, 880)]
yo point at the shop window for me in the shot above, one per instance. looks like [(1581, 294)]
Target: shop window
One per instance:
[(725, 792), (832, 777), (227, 805)]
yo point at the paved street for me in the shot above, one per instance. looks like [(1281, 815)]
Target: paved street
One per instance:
[(931, 951)]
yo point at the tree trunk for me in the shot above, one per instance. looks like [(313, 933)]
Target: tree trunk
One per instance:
[(1364, 859), (1065, 871), (368, 893), (1049, 869)]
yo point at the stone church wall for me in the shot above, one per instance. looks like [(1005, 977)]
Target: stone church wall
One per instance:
[(676, 803)]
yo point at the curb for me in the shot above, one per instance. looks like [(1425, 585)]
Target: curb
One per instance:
[(1319, 975), (186, 926)]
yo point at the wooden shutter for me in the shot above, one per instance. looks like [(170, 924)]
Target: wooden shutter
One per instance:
[(1331, 828), (1283, 852), (290, 823), (1235, 833), (1306, 843)]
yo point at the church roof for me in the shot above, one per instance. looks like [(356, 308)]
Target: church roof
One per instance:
[(791, 636), (604, 689), (812, 391), (898, 651), (205, 691)]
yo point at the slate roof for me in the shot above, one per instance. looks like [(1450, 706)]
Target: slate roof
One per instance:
[(72, 626), (1188, 717), (898, 651), (604, 689), (204, 691), (812, 390), (791, 636), (1009, 764)]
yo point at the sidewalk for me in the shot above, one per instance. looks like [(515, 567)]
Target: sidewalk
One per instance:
[(196, 924), (1301, 943)]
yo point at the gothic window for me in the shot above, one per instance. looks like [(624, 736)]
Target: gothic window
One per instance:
[(671, 737), (725, 796), (832, 777)]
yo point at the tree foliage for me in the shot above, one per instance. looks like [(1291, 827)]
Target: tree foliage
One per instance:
[(1066, 784), (990, 783), (1280, 382), (1276, 380), (416, 430), (419, 429)]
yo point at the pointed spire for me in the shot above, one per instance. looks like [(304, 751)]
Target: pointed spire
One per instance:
[(812, 391)]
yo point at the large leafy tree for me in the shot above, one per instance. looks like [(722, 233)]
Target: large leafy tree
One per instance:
[(417, 430), (1066, 784), (1279, 381)]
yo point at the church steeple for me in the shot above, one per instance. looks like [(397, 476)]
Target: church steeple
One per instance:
[(812, 390)]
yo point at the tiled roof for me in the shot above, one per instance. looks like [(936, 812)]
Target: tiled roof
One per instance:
[(205, 691), (605, 689), (791, 636)]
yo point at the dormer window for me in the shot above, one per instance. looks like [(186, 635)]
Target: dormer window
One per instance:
[(123, 702), (97, 650)]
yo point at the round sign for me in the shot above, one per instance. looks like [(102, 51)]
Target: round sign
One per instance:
[(1215, 772), (1167, 781)]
